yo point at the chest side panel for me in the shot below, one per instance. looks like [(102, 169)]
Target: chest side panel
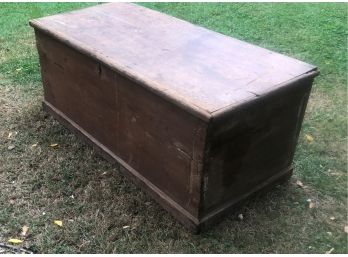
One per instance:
[(156, 138), (251, 144)]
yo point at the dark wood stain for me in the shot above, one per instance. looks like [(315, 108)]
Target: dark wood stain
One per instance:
[(199, 120)]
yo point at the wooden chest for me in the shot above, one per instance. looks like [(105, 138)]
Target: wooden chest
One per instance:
[(200, 120)]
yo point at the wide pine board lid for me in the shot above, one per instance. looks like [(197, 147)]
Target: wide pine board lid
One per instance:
[(191, 66)]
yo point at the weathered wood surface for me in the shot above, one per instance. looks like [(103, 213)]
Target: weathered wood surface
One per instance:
[(200, 120), (202, 70)]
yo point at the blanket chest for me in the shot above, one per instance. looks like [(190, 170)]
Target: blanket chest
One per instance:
[(199, 120)]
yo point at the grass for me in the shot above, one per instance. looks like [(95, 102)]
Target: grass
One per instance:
[(72, 183)]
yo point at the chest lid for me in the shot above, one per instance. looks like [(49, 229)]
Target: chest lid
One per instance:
[(196, 68)]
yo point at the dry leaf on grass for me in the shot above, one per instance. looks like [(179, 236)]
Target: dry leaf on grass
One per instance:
[(299, 183), (58, 223), (337, 174), (54, 145), (330, 251), (309, 138), (346, 229), (311, 205), (15, 241), (11, 134), (25, 230), (10, 147)]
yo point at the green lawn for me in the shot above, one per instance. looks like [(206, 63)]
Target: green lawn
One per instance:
[(37, 182)]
